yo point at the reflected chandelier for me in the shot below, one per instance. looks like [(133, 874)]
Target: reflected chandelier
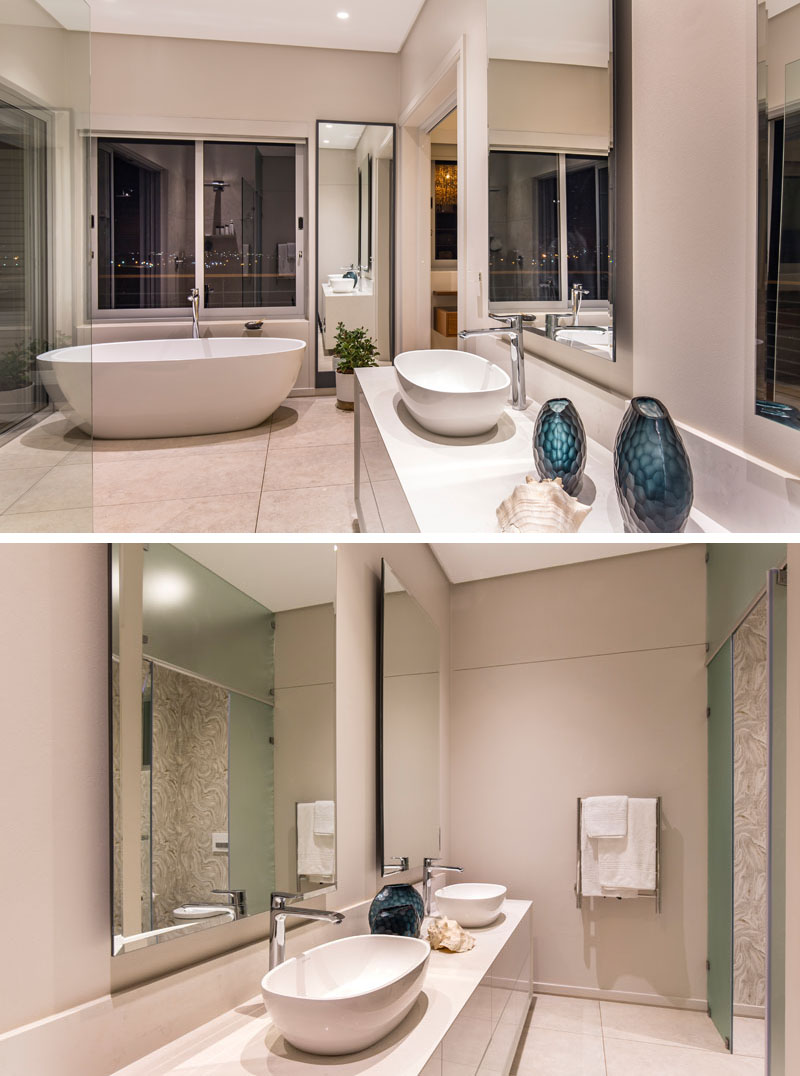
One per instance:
[(445, 185)]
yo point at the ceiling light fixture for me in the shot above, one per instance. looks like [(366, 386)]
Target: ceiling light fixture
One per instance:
[(342, 14)]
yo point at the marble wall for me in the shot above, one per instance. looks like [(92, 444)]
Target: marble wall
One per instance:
[(750, 791)]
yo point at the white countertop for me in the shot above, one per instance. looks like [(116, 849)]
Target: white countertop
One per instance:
[(243, 1041), (454, 484)]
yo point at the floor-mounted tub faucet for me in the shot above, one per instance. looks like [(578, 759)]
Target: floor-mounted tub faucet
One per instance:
[(513, 330), (194, 298), (429, 868), (278, 911)]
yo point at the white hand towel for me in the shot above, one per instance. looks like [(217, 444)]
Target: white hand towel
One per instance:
[(324, 818), (630, 862), (315, 854), (286, 259), (590, 870), (606, 816)]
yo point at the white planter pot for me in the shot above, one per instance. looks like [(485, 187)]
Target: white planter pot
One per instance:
[(13, 401), (345, 391)]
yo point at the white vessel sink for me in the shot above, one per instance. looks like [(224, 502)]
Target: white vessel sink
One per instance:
[(452, 392), (472, 904), (346, 995), (202, 911), (586, 337), (343, 286)]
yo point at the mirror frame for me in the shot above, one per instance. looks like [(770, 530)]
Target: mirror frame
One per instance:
[(326, 379), (539, 330), (380, 814)]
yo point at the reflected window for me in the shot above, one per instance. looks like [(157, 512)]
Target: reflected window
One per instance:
[(145, 224), (548, 226), (249, 211)]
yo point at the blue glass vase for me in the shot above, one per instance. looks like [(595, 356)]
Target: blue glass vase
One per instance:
[(559, 444), (401, 919), (652, 471), (394, 896)]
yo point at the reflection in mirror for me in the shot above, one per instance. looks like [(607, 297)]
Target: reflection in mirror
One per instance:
[(222, 732), (551, 191), (355, 235), (778, 270), (408, 730)]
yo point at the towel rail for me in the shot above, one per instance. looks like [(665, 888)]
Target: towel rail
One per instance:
[(654, 894)]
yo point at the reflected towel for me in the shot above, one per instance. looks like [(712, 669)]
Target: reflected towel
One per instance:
[(315, 854), (605, 816), (324, 818), (286, 259), (630, 862)]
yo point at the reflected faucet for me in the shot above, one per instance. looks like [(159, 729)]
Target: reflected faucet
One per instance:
[(238, 900), (429, 866), (278, 911), (513, 330), (194, 298), (576, 298)]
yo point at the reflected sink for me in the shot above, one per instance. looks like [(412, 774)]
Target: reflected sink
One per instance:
[(472, 904), (588, 336), (345, 996), (452, 392)]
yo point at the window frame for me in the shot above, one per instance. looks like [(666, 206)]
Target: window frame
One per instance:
[(238, 313), (563, 304)]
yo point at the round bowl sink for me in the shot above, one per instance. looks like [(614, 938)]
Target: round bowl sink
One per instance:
[(452, 392), (472, 904), (345, 996)]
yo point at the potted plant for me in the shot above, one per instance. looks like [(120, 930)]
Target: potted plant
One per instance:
[(353, 348), (17, 367)]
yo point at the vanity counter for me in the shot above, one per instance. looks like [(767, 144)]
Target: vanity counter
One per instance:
[(408, 479), (243, 1041)]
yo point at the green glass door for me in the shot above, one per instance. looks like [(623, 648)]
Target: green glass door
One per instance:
[(720, 841)]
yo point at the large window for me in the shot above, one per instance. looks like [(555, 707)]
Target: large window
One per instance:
[(160, 202), (548, 227)]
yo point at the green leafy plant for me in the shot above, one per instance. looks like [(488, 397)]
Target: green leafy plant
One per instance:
[(353, 349), (17, 365)]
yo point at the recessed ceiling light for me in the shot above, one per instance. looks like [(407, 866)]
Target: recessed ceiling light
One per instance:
[(342, 14), (329, 126), (326, 141)]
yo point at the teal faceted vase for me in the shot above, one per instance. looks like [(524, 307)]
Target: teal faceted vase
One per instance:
[(395, 897)]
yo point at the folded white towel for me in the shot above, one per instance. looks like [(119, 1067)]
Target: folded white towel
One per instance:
[(286, 259), (315, 854), (605, 816), (629, 862), (324, 818)]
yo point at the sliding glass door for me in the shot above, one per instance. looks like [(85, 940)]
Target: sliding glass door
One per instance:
[(23, 261)]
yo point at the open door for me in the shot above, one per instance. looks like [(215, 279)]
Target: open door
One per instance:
[(720, 842)]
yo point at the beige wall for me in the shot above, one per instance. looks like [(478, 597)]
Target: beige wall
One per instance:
[(578, 681), (53, 637)]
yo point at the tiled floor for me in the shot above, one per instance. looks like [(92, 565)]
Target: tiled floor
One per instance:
[(293, 474), (576, 1037)]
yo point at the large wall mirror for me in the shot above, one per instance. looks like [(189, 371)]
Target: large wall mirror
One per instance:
[(778, 268), (355, 235), (408, 730), (223, 733), (551, 169)]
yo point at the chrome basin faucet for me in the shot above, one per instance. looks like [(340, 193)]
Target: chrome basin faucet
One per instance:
[(194, 298), (237, 902), (576, 298), (278, 911), (429, 868), (513, 330)]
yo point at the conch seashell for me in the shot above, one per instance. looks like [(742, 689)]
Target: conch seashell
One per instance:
[(541, 506), (447, 934)]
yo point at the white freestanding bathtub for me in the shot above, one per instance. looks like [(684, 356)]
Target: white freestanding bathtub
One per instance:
[(171, 388)]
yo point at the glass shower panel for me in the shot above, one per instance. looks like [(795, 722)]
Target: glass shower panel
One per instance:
[(251, 801), (720, 841), (776, 966)]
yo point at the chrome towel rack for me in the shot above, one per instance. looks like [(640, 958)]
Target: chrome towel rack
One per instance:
[(654, 894)]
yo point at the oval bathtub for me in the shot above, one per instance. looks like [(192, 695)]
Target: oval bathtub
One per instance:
[(171, 388)]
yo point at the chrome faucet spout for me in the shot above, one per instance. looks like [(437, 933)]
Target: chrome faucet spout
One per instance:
[(277, 922), (576, 298), (429, 868), (194, 298), (513, 330)]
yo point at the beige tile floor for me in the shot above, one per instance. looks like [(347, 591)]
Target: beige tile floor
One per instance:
[(294, 474), (576, 1037)]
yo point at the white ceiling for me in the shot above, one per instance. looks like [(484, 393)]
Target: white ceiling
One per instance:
[(463, 562), (279, 575), (374, 25), (777, 7), (340, 135), (549, 31)]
